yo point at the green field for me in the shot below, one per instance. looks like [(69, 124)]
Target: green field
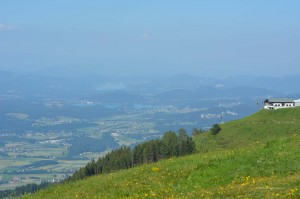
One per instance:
[(263, 126), (256, 157)]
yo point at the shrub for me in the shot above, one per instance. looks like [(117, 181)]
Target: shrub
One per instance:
[(215, 129)]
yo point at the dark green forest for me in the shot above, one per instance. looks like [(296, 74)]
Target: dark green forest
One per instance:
[(172, 144)]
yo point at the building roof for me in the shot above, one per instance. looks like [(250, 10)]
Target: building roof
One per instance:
[(277, 100)]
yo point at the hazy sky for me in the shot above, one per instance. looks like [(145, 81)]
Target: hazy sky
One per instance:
[(203, 37)]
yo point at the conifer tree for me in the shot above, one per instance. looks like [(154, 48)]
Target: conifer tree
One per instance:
[(169, 145)]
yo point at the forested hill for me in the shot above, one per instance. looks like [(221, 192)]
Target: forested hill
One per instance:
[(256, 157), (172, 144)]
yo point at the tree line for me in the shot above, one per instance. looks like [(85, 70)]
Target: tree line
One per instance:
[(21, 190), (172, 144)]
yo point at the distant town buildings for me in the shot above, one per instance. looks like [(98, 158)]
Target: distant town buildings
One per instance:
[(274, 103)]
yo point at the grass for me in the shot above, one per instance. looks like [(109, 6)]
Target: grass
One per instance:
[(263, 126), (256, 157)]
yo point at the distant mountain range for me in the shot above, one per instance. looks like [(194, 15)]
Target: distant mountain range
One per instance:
[(64, 85)]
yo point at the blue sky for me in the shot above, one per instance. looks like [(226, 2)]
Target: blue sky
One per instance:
[(202, 37)]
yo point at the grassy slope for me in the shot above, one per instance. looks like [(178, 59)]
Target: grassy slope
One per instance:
[(260, 157), (263, 126)]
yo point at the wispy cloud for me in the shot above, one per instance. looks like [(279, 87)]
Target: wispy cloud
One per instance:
[(5, 27)]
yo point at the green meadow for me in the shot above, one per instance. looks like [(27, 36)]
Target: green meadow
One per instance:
[(255, 157)]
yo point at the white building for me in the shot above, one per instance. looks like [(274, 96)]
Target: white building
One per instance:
[(297, 102), (279, 103)]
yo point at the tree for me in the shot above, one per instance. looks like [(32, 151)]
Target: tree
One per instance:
[(90, 168), (182, 142), (169, 144), (186, 144), (215, 129), (197, 131), (137, 155)]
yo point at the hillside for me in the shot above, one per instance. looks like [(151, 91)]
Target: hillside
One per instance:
[(256, 157), (261, 127)]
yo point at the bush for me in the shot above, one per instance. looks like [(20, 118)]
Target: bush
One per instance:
[(215, 129)]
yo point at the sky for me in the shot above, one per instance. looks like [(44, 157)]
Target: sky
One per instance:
[(202, 37)]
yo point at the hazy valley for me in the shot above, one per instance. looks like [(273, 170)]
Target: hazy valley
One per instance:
[(52, 125)]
